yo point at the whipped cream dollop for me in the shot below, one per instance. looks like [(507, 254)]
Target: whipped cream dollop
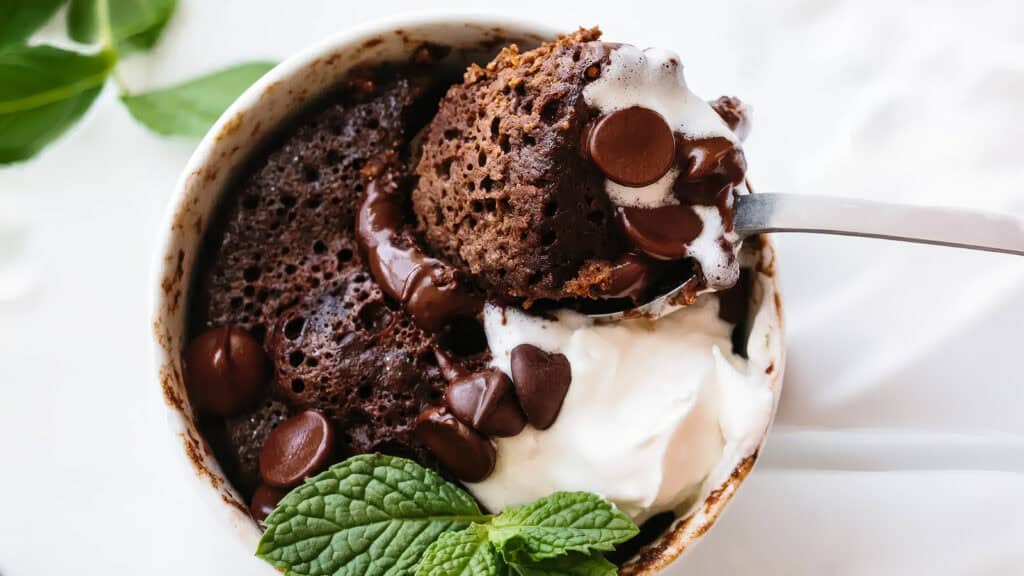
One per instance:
[(653, 409)]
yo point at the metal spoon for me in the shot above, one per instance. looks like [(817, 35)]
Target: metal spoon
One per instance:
[(759, 213)]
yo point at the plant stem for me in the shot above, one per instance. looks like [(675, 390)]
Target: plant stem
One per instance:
[(103, 21)]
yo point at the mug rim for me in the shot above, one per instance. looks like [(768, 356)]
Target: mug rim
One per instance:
[(166, 266)]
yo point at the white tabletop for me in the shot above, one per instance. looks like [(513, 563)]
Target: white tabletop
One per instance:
[(899, 447)]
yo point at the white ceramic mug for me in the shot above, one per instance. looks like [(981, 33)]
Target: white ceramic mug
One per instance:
[(260, 111)]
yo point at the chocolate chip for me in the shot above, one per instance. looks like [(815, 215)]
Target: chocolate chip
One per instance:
[(450, 368), (716, 155), (486, 401), (664, 232), (264, 500), (633, 146), (629, 277), (465, 452), (541, 381), (297, 448), (226, 371)]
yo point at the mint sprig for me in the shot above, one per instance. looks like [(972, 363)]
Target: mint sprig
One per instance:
[(44, 90), (465, 553), (561, 523), (372, 514), (573, 564), (387, 516)]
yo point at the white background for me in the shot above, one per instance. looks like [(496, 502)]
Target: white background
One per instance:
[(899, 447)]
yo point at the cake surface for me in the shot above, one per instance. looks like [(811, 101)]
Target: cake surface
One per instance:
[(502, 188), (283, 263)]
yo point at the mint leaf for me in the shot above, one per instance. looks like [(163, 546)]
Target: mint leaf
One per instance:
[(558, 524), (20, 18), (370, 515), (134, 24), (574, 564), (43, 92), (190, 109), (465, 553)]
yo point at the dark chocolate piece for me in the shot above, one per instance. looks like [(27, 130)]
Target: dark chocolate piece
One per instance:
[(264, 500), (486, 401), (629, 277), (299, 447), (634, 146), (450, 368), (227, 371), (465, 452), (432, 292), (713, 167), (541, 380), (663, 232)]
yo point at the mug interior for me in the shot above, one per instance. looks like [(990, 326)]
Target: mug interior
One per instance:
[(258, 114)]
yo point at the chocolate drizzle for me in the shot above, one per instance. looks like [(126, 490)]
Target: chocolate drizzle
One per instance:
[(432, 292)]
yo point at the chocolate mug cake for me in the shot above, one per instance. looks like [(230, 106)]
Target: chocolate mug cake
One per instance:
[(405, 268)]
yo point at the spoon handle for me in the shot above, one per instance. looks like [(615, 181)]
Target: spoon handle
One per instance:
[(756, 213)]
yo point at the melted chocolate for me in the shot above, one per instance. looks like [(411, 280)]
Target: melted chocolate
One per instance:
[(712, 167), (664, 233), (432, 292)]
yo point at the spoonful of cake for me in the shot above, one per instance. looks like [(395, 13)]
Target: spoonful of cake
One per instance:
[(587, 173)]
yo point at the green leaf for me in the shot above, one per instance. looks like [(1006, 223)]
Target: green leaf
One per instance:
[(465, 553), (574, 564), (190, 109), (371, 515), (43, 92), (134, 24), (558, 524), (20, 18)]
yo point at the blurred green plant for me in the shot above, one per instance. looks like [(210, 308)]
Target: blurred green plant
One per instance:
[(44, 89)]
